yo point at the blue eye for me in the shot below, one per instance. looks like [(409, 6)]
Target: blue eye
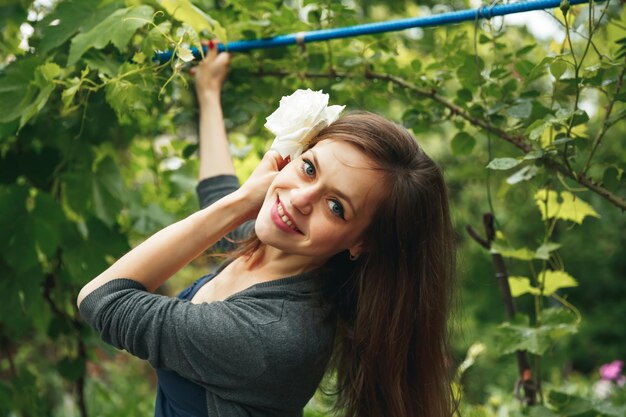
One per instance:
[(336, 208), (308, 168)]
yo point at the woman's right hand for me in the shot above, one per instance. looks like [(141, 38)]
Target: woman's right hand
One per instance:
[(255, 188), (210, 73)]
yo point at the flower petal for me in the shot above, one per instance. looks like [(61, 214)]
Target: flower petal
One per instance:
[(331, 113)]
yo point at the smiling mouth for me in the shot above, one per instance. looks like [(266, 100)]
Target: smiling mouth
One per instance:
[(284, 216)]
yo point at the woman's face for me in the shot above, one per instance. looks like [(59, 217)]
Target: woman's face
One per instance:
[(321, 203)]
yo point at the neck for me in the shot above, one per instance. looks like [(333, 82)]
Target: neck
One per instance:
[(274, 263)]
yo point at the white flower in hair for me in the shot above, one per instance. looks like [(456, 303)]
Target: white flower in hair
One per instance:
[(298, 119)]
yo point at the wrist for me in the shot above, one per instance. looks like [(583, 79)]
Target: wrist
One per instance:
[(210, 97), (239, 207)]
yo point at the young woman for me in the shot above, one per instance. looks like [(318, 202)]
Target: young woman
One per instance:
[(345, 266)]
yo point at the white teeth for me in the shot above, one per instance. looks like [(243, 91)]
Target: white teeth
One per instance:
[(283, 216)]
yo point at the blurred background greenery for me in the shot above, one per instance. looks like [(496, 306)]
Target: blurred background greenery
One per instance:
[(98, 151)]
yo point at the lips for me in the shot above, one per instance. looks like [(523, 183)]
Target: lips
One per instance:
[(282, 219)]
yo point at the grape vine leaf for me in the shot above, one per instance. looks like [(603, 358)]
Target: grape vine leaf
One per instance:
[(555, 280), (107, 191), (117, 29), (519, 335), (523, 253), (565, 206), (521, 285), (184, 11), (68, 18), (15, 89)]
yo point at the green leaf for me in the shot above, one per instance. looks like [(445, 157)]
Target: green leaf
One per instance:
[(50, 71), (541, 411), (611, 178), (569, 405), (556, 323), (128, 97), (525, 50), (469, 73), (503, 163), (536, 129), (521, 285), (16, 91), (523, 174), (107, 191), (523, 254), (70, 16), (185, 11), (156, 39), (464, 95), (44, 75), (521, 110), (86, 257), (558, 68), (555, 280), (116, 29), (18, 245), (543, 251), (565, 206), (48, 218), (71, 368), (524, 67), (511, 338), (151, 218), (462, 144)]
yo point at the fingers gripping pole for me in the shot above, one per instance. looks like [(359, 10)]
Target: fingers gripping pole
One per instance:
[(486, 12)]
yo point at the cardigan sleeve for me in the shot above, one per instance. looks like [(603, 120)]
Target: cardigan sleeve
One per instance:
[(209, 190), (212, 343)]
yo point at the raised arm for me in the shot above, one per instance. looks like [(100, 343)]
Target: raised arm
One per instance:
[(215, 158), (217, 173)]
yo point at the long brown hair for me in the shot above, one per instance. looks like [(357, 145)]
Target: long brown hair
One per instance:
[(391, 354)]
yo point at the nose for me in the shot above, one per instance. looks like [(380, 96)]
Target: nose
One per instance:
[(303, 198)]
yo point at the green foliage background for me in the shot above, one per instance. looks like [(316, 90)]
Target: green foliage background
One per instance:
[(97, 151)]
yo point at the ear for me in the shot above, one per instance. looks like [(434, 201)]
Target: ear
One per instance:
[(357, 249)]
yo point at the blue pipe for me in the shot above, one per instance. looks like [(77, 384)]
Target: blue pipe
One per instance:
[(485, 12)]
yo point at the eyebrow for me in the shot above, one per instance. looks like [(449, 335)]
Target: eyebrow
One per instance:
[(339, 193)]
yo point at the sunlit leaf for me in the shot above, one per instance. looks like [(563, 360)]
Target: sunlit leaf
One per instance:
[(503, 163), (523, 174), (521, 285), (555, 280), (523, 254), (565, 206), (185, 11)]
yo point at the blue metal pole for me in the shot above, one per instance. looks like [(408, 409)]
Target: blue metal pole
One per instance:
[(485, 12)]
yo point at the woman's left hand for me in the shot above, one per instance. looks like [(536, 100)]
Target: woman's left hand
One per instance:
[(253, 191)]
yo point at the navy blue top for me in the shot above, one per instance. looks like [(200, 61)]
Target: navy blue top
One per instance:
[(178, 396)]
